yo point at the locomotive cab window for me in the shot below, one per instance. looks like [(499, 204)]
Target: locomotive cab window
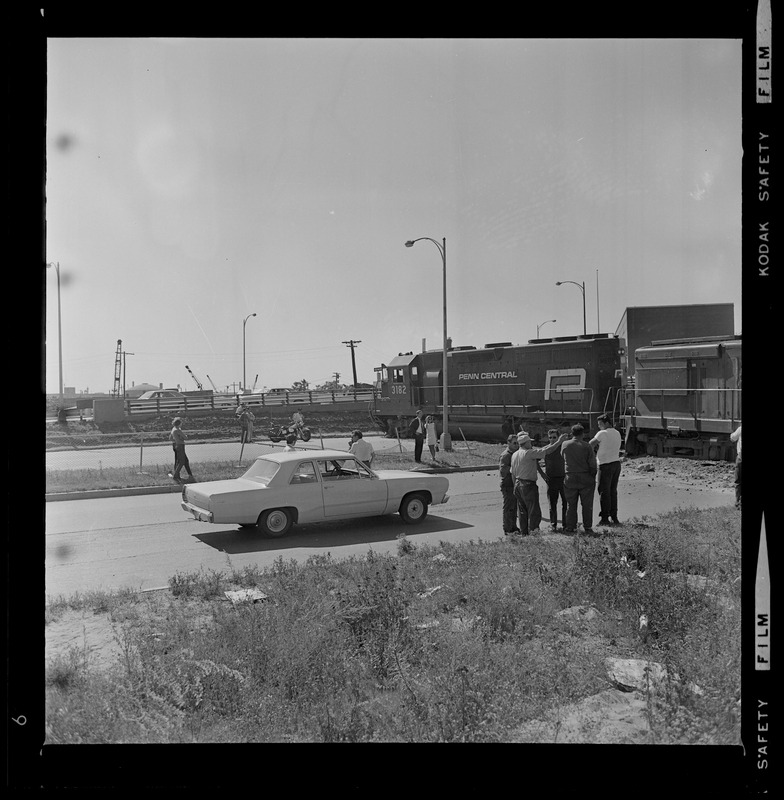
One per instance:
[(396, 375)]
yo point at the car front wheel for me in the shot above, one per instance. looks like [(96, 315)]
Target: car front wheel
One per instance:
[(413, 509), (275, 523)]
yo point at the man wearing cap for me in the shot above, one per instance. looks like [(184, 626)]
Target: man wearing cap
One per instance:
[(524, 471)]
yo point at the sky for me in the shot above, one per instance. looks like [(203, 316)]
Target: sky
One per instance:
[(193, 182)]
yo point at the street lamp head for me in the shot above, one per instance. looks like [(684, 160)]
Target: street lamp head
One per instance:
[(253, 314), (558, 283), (410, 243)]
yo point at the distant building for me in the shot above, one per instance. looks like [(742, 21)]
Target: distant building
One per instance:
[(140, 388)]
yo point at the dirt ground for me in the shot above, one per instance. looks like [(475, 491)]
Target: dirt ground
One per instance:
[(200, 428)]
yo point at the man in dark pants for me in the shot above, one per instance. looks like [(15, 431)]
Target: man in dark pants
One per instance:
[(607, 445), (580, 480), (554, 473), (509, 516), (524, 470), (177, 438), (416, 429)]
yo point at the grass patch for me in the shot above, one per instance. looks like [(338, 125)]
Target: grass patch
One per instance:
[(447, 643)]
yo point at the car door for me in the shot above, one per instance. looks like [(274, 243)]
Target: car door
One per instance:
[(350, 489), (304, 493)]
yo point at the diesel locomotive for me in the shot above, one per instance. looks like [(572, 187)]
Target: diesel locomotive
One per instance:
[(500, 388), (684, 398)]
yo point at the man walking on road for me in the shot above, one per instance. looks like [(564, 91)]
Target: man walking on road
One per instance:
[(178, 444), (510, 512), (607, 445), (580, 480), (524, 471)]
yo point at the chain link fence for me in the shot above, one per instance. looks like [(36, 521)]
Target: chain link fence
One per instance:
[(147, 455)]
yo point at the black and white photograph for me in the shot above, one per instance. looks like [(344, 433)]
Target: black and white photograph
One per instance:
[(391, 393)]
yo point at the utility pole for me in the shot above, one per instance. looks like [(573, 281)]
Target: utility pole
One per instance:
[(336, 377), (123, 357), (350, 343), (117, 369)]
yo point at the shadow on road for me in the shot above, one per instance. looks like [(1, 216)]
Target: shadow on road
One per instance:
[(326, 534)]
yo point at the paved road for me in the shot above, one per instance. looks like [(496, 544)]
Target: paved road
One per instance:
[(144, 456), (140, 542)]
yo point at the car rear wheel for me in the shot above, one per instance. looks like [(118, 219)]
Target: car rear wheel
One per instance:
[(413, 509), (275, 523)]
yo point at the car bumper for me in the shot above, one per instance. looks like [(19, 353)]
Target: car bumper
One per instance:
[(445, 500), (198, 513)]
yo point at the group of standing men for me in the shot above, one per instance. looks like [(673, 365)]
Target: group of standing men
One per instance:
[(571, 466)]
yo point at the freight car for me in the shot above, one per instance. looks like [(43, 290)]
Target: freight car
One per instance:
[(500, 388), (686, 398)]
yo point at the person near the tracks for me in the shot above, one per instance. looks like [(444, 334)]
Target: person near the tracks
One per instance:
[(554, 473), (735, 437), (362, 449), (508, 497), (416, 428), (524, 470), (580, 480), (607, 445)]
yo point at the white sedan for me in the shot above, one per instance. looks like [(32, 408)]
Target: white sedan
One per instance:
[(281, 489)]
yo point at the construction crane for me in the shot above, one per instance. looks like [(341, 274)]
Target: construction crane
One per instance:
[(253, 389), (118, 362), (198, 382), (214, 387)]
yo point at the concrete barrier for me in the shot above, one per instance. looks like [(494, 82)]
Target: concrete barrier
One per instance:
[(112, 410)]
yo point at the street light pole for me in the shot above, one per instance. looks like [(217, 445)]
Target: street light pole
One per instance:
[(581, 287), (543, 323), (243, 348), (446, 440), (56, 265)]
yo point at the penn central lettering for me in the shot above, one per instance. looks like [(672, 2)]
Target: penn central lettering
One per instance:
[(485, 376)]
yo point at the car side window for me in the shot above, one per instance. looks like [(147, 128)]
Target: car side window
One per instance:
[(305, 472), (338, 469)]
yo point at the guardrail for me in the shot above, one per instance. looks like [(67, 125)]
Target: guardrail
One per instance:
[(229, 402)]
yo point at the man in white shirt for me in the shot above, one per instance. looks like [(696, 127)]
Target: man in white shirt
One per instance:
[(735, 437), (361, 449), (607, 444)]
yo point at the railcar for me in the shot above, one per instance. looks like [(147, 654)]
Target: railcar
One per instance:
[(500, 388), (686, 398)]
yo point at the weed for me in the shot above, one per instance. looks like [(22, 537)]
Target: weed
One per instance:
[(339, 652)]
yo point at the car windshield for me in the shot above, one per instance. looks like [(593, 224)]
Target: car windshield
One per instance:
[(262, 470)]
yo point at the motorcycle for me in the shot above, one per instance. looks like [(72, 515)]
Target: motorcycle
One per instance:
[(279, 433)]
